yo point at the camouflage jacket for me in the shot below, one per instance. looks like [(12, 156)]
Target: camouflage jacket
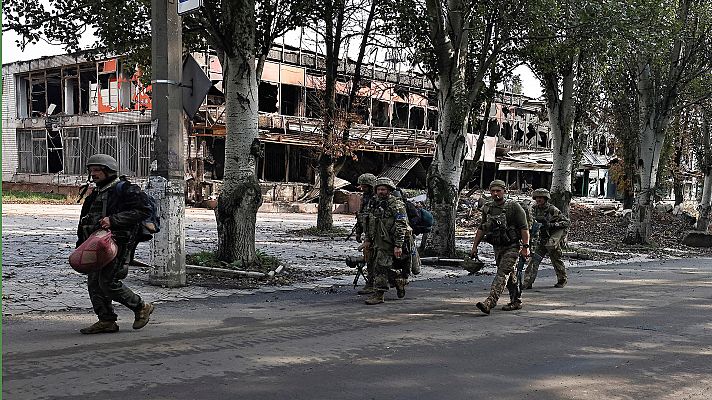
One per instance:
[(125, 211), (551, 218), (364, 213), (389, 223)]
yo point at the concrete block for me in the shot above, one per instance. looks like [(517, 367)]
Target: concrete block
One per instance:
[(697, 239)]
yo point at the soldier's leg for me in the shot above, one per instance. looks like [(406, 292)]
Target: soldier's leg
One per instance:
[(506, 262), (383, 263), (99, 301), (555, 255), (113, 289), (533, 267)]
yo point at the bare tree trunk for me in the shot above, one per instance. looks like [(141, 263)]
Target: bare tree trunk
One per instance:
[(703, 220), (651, 140), (240, 196), (561, 118), (325, 218), (446, 169)]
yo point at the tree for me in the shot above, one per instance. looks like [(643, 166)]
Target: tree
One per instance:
[(564, 44), (457, 44), (230, 27), (702, 134), (670, 47)]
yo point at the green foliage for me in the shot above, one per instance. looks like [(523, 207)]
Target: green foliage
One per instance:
[(13, 196)]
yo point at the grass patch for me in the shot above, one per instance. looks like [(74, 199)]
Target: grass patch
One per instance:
[(263, 263), (313, 231), (14, 196)]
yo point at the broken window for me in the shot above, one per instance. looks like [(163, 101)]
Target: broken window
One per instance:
[(54, 151), (39, 150), (417, 118), (400, 115), (128, 149), (71, 90), (291, 100), (380, 116), (38, 95), (22, 90), (433, 121), (313, 105), (88, 97), (24, 150), (72, 152), (54, 91), (267, 100), (89, 141)]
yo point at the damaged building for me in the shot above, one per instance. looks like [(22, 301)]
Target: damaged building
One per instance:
[(57, 111)]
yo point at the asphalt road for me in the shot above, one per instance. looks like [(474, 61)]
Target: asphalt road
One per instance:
[(625, 331)]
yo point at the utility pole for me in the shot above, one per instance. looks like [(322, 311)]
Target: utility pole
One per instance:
[(166, 183)]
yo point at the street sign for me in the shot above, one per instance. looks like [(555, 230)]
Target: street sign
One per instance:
[(195, 86), (187, 6)]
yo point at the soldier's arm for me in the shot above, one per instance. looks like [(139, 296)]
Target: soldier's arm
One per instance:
[(401, 224), (558, 219)]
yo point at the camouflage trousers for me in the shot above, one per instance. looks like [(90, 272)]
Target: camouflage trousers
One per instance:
[(550, 246), (369, 254), (387, 269), (105, 286), (506, 258)]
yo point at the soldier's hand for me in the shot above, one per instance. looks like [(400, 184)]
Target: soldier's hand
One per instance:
[(397, 251), (105, 223), (524, 251)]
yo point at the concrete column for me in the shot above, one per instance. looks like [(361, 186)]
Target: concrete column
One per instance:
[(166, 183)]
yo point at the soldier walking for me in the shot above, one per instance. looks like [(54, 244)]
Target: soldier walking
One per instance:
[(504, 226), (121, 213), (387, 231), (551, 235), (365, 184)]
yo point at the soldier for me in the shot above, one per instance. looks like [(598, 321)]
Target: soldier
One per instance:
[(504, 226), (365, 184), (121, 213), (551, 235), (387, 232)]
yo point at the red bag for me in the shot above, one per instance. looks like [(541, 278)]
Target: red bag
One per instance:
[(95, 253)]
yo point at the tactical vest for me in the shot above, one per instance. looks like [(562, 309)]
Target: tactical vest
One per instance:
[(497, 230)]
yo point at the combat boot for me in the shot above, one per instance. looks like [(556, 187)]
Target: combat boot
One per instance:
[(485, 306), (376, 298), (143, 315), (515, 305), (367, 289), (100, 327), (400, 287), (561, 283)]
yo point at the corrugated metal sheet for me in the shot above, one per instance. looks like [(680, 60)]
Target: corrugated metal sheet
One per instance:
[(399, 169), (314, 193)]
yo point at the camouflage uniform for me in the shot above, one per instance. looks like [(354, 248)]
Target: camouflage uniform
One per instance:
[(388, 229), (362, 222), (506, 254), (551, 236), (125, 211)]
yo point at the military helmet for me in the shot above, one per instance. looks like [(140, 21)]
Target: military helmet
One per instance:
[(383, 181), (498, 182), (366, 179), (103, 160), (541, 192)]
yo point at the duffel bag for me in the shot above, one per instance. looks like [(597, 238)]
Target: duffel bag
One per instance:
[(98, 251)]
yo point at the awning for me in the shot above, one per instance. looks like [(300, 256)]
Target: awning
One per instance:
[(398, 170), (314, 193), (510, 165)]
